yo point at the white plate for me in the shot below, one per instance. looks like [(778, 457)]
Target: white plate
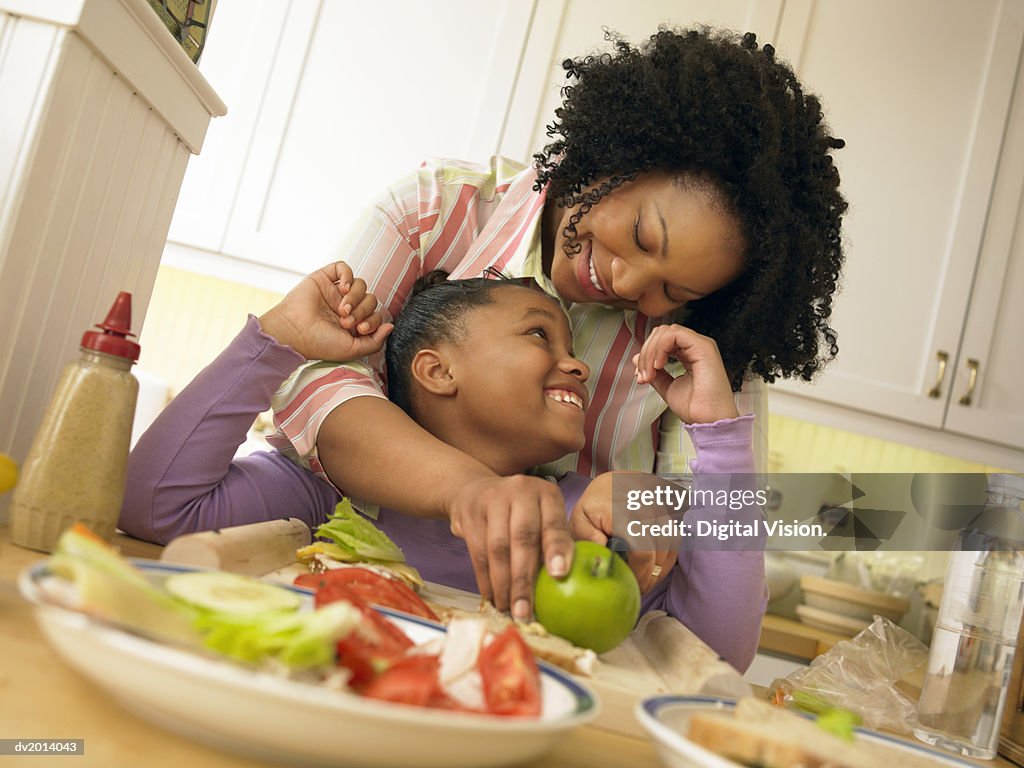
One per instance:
[(272, 718), (666, 718)]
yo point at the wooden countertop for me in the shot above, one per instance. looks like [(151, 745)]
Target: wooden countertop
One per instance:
[(43, 698)]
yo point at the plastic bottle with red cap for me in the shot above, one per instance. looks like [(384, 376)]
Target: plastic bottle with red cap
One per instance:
[(75, 470)]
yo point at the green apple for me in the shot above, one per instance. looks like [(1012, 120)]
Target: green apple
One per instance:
[(596, 605)]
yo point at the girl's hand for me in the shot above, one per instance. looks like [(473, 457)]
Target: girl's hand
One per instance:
[(329, 315), (509, 524), (703, 394), (591, 519)]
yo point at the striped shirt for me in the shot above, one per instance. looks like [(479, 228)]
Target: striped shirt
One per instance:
[(466, 218)]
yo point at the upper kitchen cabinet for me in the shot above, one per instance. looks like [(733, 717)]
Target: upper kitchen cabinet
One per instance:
[(986, 392), (328, 103), (922, 91)]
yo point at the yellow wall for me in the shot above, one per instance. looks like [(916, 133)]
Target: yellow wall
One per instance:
[(800, 446), (191, 318)]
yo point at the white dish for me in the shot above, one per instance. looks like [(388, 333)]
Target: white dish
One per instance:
[(271, 718), (666, 718)]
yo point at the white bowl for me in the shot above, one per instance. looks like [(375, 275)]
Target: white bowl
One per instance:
[(849, 600), (271, 718), (667, 718)]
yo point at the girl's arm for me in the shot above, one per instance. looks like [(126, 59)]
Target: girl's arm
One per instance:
[(717, 588), (181, 474)]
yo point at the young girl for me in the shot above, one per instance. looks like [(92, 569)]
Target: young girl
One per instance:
[(484, 366), (687, 180)]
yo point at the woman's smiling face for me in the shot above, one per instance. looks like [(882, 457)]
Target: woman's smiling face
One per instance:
[(652, 244)]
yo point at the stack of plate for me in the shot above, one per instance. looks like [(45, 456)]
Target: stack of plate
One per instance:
[(845, 609)]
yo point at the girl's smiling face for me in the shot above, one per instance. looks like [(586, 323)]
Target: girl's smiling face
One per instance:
[(521, 393), (652, 245)]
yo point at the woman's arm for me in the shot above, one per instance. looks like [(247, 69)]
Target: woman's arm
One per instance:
[(372, 449)]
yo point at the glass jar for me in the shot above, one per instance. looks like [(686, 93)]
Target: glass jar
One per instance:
[(972, 650)]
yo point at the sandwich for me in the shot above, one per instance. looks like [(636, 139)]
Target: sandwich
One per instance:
[(757, 733), (353, 541)]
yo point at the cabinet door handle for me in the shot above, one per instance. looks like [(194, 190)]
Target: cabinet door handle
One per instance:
[(936, 390), (972, 367)]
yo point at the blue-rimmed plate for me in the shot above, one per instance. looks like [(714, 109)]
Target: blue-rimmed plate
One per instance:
[(273, 718), (667, 718)]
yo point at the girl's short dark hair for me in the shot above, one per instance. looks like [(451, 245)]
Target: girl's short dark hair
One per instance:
[(434, 313), (714, 108)]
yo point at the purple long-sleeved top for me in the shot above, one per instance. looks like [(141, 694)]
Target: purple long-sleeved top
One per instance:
[(183, 477)]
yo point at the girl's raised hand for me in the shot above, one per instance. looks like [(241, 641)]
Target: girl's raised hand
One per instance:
[(329, 315), (703, 394)]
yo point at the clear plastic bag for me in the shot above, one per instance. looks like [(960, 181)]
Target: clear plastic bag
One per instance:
[(859, 675)]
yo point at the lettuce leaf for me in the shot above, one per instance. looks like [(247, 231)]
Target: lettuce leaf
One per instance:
[(300, 640), (354, 534), (110, 587)]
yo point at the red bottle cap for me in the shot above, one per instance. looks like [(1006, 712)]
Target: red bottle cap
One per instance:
[(116, 328)]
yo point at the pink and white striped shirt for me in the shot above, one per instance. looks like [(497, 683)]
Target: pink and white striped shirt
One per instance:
[(465, 218)]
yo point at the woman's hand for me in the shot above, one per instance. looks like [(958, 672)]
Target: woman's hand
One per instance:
[(703, 394), (329, 315), (507, 524), (591, 519)]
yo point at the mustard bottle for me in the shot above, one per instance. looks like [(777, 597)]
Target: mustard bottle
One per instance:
[(75, 469)]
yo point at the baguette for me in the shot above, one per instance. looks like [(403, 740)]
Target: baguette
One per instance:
[(761, 734)]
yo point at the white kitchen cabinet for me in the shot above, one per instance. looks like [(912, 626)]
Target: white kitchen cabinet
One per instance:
[(990, 404), (921, 91), (329, 102)]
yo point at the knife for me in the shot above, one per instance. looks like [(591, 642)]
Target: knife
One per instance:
[(619, 546)]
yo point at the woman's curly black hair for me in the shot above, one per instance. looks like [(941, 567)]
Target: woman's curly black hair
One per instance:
[(712, 107)]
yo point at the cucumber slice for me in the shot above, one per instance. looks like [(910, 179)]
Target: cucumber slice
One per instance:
[(230, 593)]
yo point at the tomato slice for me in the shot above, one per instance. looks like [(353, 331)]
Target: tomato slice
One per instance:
[(372, 587), (511, 679), (411, 680), (371, 647)]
